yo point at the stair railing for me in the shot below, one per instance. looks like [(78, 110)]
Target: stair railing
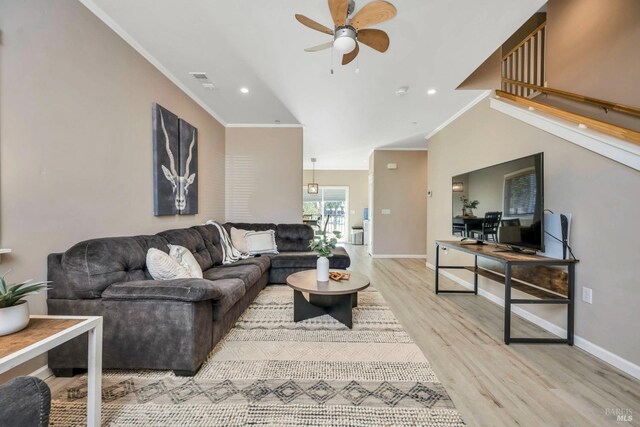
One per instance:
[(525, 63)]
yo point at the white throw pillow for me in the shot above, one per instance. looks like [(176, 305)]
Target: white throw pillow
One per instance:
[(238, 239), (261, 242), (185, 258), (162, 267)]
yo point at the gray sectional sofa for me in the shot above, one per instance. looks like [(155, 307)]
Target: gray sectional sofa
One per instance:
[(172, 324), (25, 402)]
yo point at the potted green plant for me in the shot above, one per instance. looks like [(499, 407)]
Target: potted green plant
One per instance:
[(468, 206), (324, 245), (14, 310)]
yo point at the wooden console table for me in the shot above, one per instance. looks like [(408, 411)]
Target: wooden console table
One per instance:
[(46, 332), (509, 259)]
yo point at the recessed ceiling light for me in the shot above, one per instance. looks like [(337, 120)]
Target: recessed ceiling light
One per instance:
[(431, 92), (244, 90)]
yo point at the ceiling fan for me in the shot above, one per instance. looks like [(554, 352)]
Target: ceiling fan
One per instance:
[(348, 32)]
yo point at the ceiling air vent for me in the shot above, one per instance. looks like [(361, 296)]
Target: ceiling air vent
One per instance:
[(199, 75)]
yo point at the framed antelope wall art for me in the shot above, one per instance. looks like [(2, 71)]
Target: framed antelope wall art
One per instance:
[(175, 164)]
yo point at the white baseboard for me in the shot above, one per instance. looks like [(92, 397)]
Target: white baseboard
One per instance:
[(43, 373), (398, 256), (591, 348)]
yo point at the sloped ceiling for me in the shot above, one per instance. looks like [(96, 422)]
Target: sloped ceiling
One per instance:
[(259, 45)]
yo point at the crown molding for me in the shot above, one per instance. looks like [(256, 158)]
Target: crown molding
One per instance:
[(268, 125), (400, 149)]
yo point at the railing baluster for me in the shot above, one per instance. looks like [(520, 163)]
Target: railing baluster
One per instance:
[(525, 63), (524, 67), (534, 62), (521, 67), (543, 34)]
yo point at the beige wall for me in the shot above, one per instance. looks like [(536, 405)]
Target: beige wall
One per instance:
[(356, 180), (592, 48), (75, 137), (404, 191), (596, 190), (264, 175), (486, 76)]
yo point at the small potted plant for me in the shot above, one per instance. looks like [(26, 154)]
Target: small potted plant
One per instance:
[(468, 206), (324, 245), (14, 310)]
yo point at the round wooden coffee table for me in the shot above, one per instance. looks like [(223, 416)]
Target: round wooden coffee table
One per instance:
[(333, 298)]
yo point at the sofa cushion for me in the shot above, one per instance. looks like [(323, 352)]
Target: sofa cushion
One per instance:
[(192, 240), (211, 237), (161, 266), (25, 401), (185, 258), (238, 239), (248, 273), (91, 266), (302, 260), (249, 226), (261, 242), (263, 262), (223, 294), (293, 237), (187, 290)]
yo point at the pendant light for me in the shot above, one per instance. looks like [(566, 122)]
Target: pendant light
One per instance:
[(312, 187)]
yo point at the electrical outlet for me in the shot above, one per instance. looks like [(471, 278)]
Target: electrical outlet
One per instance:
[(587, 295)]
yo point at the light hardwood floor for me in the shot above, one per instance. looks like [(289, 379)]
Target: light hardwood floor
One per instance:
[(490, 383), (493, 384)]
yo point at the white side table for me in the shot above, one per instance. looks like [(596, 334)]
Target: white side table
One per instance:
[(47, 332)]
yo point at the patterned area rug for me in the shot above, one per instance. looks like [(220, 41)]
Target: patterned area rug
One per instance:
[(270, 371)]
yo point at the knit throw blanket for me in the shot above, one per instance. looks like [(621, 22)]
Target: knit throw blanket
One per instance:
[(229, 253)]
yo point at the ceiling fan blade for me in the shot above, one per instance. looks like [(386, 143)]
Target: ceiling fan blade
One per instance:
[(351, 55), (322, 46), (376, 39), (339, 9), (373, 13), (313, 24)]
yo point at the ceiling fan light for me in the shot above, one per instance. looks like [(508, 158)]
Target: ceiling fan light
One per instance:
[(344, 44)]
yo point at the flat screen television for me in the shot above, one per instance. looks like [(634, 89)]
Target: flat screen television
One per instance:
[(502, 204)]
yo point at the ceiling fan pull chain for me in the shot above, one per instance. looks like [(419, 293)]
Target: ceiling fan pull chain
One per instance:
[(331, 61), (357, 65)]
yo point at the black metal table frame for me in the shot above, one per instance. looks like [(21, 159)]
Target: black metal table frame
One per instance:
[(337, 306), (508, 301)]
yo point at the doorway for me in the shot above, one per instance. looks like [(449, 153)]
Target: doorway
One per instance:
[(331, 202)]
